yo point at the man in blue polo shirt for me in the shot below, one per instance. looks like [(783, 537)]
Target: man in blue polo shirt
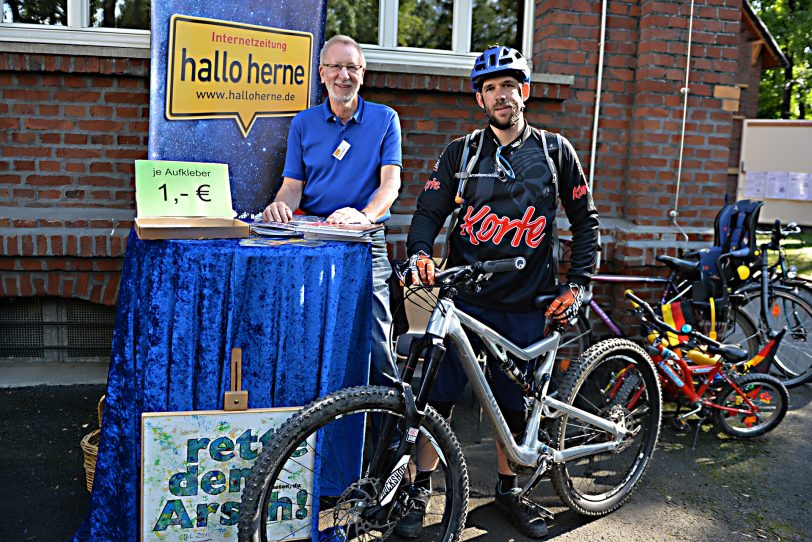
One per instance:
[(343, 162)]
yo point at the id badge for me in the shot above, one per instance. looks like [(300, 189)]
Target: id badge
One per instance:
[(341, 150)]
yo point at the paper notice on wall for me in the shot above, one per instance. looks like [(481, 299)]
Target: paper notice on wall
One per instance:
[(754, 183), (777, 184), (798, 186)]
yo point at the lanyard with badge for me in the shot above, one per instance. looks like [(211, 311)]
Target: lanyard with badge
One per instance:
[(341, 150)]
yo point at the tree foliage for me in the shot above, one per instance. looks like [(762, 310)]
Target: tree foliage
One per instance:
[(495, 21), (53, 12), (105, 13), (426, 23), (787, 93), (355, 18)]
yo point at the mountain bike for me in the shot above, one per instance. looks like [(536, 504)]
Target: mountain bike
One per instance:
[(360, 444), (715, 379)]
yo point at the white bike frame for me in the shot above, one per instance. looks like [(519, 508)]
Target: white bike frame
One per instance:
[(447, 321)]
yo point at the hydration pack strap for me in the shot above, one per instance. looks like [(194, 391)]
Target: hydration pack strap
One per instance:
[(465, 168)]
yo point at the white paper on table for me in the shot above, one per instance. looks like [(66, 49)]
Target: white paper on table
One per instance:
[(777, 184), (754, 182)]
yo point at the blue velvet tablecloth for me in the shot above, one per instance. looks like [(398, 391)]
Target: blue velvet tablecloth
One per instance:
[(300, 312)]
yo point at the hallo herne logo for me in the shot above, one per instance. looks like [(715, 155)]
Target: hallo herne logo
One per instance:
[(432, 184), (579, 191), (495, 229)]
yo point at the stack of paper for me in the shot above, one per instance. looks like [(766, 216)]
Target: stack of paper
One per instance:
[(317, 229)]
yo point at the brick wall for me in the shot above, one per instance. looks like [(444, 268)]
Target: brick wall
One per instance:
[(747, 78), (71, 127)]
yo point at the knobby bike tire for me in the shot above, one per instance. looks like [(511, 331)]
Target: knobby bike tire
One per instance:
[(793, 361), (346, 490), (766, 392), (616, 379)]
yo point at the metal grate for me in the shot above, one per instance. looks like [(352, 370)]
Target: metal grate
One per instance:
[(22, 335), (55, 329), (89, 330)]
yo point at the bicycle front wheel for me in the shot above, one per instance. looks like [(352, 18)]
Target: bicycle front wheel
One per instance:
[(615, 380), (333, 442), (765, 392), (793, 361)]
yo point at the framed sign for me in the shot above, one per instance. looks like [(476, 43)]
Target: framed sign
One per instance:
[(194, 466)]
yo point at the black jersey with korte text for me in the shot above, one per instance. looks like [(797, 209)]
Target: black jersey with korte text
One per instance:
[(502, 217)]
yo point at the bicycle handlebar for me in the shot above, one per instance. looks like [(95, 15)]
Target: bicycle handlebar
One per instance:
[(657, 322), (503, 266), (781, 232), (461, 272)]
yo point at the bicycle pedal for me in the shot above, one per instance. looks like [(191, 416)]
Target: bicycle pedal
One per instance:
[(680, 425)]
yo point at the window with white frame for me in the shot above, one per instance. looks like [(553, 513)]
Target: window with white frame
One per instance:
[(79, 13), (413, 34)]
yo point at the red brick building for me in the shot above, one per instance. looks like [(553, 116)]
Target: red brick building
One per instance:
[(74, 110)]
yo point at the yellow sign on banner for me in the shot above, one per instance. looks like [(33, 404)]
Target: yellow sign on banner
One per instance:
[(222, 69)]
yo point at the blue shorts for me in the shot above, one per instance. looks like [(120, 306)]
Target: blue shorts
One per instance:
[(521, 328)]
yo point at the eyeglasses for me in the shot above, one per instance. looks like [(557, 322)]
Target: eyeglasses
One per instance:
[(351, 68), (503, 168)]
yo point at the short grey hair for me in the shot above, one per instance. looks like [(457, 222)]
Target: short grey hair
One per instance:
[(345, 40)]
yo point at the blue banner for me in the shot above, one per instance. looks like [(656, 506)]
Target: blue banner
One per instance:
[(226, 79)]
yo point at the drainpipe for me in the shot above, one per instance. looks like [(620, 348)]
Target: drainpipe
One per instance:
[(597, 114), (685, 90)]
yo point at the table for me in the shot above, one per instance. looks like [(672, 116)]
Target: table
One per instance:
[(300, 312)]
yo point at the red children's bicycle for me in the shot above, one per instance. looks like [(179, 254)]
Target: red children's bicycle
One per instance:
[(716, 379)]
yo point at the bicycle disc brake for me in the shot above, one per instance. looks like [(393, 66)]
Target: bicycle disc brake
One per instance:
[(357, 512)]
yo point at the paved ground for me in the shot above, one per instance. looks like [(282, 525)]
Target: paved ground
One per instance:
[(722, 490)]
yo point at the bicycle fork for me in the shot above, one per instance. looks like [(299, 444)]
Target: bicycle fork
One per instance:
[(415, 414)]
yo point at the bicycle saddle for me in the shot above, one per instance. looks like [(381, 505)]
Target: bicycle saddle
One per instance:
[(731, 353), (677, 264)]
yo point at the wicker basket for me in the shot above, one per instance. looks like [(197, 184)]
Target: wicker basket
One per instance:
[(90, 448)]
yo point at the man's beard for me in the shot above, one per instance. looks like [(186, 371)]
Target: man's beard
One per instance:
[(515, 115), (343, 98)]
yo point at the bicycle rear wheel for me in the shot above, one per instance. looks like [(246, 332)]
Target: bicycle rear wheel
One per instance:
[(793, 361), (615, 380), (766, 393), (738, 328), (575, 340), (333, 441)]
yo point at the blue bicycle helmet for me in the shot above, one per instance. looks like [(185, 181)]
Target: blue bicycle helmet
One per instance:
[(498, 59)]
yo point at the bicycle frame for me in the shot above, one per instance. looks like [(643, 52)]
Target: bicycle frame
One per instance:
[(674, 385), (446, 321), (622, 279)]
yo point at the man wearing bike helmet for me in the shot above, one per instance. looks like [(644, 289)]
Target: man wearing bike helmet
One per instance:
[(507, 199), (343, 162)]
